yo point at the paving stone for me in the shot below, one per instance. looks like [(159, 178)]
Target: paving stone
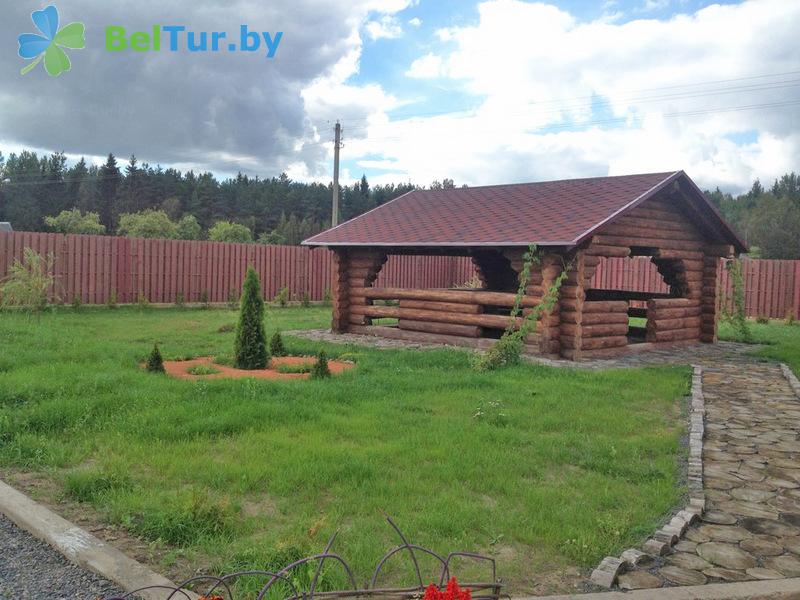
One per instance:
[(762, 573), (718, 517), (694, 535), (792, 544), (769, 527), (686, 560), (686, 546), (726, 574), (749, 509), (639, 580), (682, 576), (787, 564), (751, 495), (725, 533), (726, 555), (761, 547)]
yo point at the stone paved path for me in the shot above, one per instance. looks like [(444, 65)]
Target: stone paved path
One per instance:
[(751, 527)]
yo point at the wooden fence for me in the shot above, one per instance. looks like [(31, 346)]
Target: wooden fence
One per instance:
[(92, 267)]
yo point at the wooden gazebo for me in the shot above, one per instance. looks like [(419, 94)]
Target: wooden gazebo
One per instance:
[(576, 223)]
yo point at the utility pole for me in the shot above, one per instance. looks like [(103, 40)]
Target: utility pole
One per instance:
[(337, 143)]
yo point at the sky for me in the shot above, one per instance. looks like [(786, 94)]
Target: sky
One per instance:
[(481, 92)]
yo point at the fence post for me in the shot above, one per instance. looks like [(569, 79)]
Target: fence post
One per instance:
[(796, 297)]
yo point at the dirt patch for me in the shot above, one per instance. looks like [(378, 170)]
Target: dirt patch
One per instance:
[(180, 368)]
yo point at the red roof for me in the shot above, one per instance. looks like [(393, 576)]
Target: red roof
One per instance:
[(551, 213)]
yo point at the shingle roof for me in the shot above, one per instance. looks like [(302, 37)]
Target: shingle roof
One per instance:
[(551, 213)]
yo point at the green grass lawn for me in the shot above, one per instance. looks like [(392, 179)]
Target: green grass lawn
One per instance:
[(250, 473), (781, 341)]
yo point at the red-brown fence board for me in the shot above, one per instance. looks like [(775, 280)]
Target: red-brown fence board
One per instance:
[(93, 267)]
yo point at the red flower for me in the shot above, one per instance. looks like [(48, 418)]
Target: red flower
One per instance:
[(452, 592)]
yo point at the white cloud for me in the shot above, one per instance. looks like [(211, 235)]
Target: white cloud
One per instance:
[(427, 67), (537, 68), (386, 27), (415, 22)]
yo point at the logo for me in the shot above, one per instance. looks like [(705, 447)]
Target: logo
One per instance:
[(51, 43)]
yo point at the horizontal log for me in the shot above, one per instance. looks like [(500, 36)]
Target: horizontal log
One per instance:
[(721, 250), (462, 296), (599, 295), (647, 224), (435, 316), (673, 335), (615, 240), (654, 233), (606, 306), (659, 324), (610, 251), (441, 328), (572, 304), (458, 307), (592, 261), (604, 342), (356, 319), (604, 330), (677, 313), (595, 318), (670, 303), (655, 213), (668, 254)]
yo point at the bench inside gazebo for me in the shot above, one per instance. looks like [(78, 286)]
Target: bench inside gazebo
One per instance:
[(576, 225)]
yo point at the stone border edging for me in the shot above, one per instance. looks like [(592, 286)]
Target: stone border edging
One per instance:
[(606, 573), (794, 383), (79, 546)]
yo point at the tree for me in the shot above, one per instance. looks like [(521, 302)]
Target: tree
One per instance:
[(73, 221), (774, 227), (109, 181), (250, 350), (147, 224), (188, 228), (225, 231)]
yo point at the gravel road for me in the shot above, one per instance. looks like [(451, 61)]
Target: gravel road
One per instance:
[(32, 570)]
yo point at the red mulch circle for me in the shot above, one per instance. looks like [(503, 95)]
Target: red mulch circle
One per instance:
[(180, 368)]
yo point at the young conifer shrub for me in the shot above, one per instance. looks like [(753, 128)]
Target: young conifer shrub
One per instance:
[(155, 363), (320, 370), (250, 350), (276, 347)]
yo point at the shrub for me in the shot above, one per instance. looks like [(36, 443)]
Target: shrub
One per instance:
[(28, 282), (790, 320), (250, 350), (76, 302), (112, 300), (204, 302), (142, 301), (762, 319), (225, 231), (276, 347), (203, 370), (306, 301), (179, 301), (233, 299), (327, 297), (320, 370), (155, 363), (74, 221), (282, 297)]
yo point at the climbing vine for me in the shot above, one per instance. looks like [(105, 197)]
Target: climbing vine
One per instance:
[(508, 349), (737, 317)]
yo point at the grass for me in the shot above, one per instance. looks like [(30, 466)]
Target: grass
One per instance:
[(251, 473), (301, 368), (203, 370), (781, 341)]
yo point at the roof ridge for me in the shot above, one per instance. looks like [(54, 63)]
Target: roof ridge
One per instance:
[(521, 183)]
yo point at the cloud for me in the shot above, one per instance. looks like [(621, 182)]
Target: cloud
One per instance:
[(415, 22), (427, 67), (386, 27), (561, 97), (220, 111)]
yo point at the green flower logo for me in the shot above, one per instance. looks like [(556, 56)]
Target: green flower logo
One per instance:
[(49, 45)]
